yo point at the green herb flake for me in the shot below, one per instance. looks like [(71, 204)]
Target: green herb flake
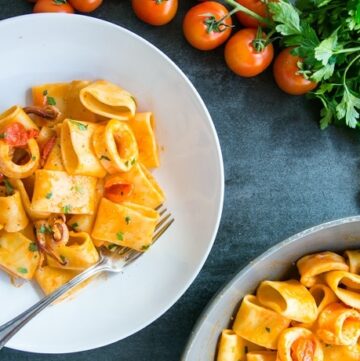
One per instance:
[(67, 209), (63, 259), (267, 329), (9, 189), (145, 247), (104, 157), (111, 246), (45, 93), (80, 126), (74, 226), (49, 195), (33, 247), (45, 229), (120, 236), (2, 135), (22, 270), (33, 157), (133, 161), (127, 219), (50, 100), (127, 163)]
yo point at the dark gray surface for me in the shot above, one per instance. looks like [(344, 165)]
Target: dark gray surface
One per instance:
[(282, 175)]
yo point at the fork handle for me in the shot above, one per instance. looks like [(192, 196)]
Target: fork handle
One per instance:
[(10, 328)]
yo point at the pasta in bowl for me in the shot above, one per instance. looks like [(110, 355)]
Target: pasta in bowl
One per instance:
[(72, 180), (287, 306)]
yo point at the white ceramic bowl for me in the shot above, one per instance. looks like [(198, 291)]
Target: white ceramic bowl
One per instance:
[(52, 47), (337, 235)]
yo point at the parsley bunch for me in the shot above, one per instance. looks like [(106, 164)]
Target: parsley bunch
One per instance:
[(326, 35)]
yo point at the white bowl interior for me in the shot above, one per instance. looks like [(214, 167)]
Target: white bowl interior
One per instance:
[(52, 47), (274, 264)]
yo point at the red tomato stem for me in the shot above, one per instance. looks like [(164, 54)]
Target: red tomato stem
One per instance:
[(238, 7)]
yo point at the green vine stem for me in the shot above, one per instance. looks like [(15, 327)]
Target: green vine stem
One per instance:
[(238, 7)]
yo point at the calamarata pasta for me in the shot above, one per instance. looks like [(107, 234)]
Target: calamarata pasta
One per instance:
[(75, 176), (316, 318)]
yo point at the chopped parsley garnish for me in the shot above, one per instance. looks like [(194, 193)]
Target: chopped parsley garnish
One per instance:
[(74, 226), (45, 229), (2, 135), (50, 100), (127, 219), (45, 93), (104, 157), (145, 247), (33, 247), (22, 270), (67, 209), (133, 161), (127, 163), (33, 158), (120, 236), (111, 246), (49, 195), (8, 188), (77, 188), (267, 329), (80, 126), (63, 259)]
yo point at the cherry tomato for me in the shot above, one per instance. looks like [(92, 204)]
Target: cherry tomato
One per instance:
[(287, 77), (116, 189), (242, 57), (53, 6), (85, 6), (155, 12), (205, 27), (258, 7), (302, 349), (14, 134)]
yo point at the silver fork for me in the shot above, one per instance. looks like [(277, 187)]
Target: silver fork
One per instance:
[(114, 260)]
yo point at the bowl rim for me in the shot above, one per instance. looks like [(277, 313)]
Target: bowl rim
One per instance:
[(115, 27), (244, 270)]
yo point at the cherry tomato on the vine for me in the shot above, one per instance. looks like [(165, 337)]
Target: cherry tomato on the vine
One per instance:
[(85, 6), (155, 12), (207, 25), (244, 56), (53, 6), (258, 7), (287, 77)]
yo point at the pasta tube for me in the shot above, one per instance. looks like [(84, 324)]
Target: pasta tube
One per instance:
[(19, 256), (104, 98), (289, 298), (353, 259), (313, 266), (77, 150), (143, 127), (299, 344), (231, 347), (339, 325), (126, 224), (349, 295), (12, 214), (258, 324)]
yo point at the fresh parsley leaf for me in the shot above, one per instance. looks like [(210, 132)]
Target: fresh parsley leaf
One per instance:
[(74, 226), (50, 100), (48, 195), (325, 50), (145, 247), (45, 229), (63, 259), (33, 247), (22, 270), (111, 246), (67, 209), (347, 109), (80, 126), (120, 236)]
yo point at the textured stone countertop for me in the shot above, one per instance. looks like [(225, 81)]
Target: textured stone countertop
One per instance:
[(282, 175)]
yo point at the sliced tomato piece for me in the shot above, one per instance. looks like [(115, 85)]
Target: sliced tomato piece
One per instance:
[(116, 189)]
